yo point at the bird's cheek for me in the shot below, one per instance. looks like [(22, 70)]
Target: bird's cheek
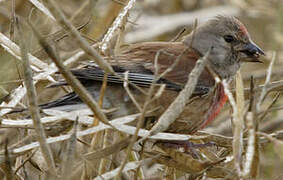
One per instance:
[(221, 53)]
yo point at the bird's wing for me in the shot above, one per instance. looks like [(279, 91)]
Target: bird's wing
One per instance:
[(174, 57), (169, 55), (139, 59), (70, 98), (94, 73)]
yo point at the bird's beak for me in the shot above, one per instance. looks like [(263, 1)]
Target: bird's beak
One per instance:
[(252, 52)]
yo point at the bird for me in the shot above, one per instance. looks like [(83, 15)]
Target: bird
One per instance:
[(230, 44)]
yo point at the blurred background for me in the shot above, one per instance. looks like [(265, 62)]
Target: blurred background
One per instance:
[(152, 20)]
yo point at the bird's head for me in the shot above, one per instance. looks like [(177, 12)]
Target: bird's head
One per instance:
[(230, 41)]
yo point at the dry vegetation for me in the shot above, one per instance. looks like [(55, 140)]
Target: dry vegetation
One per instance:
[(36, 38)]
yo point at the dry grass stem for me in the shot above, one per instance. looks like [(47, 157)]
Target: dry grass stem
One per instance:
[(92, 156), (137, 130), (81, 9), (129, 92), (60, 17), (267, 81), (96, 143), (72, 80), (129, 166), (139, 172), (194, 30), (169, 173), (37, 65), (251, 148), (237, 131), (6, 167), (13, 20), (82, 114), (14, 50), (244, 140), (68, 162), (143, 112), (116, 122), (33, 107), (278, 145), (169, 69), (25, 161), (269, 108), (19, 92), (120, 36), (239, 124), (176, 107), (100, 138), (116, 24), (180, 33), (160, 136), (106, 162), (17, 95), (42, 8)]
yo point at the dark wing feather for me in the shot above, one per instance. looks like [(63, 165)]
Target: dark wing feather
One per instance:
[(141, 79), (138, 60), (68, 99)]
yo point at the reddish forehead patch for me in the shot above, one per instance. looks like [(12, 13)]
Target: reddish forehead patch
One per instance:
[(242, 29)]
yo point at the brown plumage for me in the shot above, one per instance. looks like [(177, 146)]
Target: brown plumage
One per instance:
[(231, 45)]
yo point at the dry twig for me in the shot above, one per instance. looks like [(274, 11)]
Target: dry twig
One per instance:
[(71, 80), (238, 123), (177, 106), (42, 8), (60, 17), (141, 118), (250, 165), (267, 81), (33, 107), (128, 166), (126, 87), (67, 165), (116, 24), (238, 129)]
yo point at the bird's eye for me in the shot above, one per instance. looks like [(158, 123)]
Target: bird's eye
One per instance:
[(229, 38)]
